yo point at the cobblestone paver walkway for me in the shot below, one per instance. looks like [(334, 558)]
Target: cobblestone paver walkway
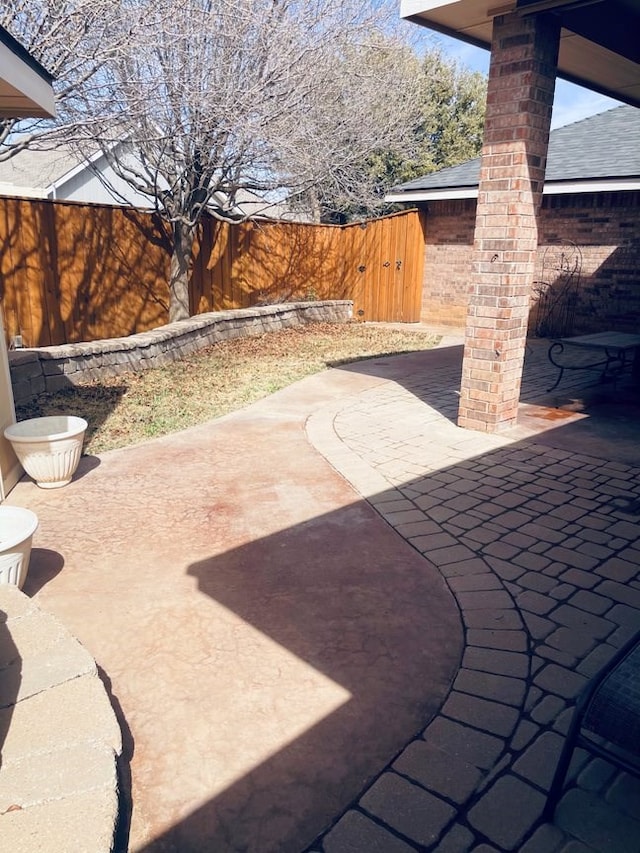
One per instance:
[(540, 545)]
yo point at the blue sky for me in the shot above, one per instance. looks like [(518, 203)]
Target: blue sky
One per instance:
[(571, 103)]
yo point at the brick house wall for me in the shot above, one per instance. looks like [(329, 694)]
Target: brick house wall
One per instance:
[(587, 271), (447, 261)]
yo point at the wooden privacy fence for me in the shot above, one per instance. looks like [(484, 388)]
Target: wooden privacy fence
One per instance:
[(74, 272)]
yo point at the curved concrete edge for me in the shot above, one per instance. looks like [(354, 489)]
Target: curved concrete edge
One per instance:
[(478, 774), (59, 737)]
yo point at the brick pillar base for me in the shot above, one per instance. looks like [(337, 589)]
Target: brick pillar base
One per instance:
[(522, 74)]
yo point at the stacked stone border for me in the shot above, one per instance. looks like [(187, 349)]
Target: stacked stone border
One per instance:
[(61, 741), (36, 371)]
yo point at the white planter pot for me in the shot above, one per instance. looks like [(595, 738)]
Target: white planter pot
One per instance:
[(49, 449), (17, 526)]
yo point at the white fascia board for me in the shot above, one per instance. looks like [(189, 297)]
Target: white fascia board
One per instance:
[(76, 170), (433, 195), (605, 185), (418, 7), (27, 93)]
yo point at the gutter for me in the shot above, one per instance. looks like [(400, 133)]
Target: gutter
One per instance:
[(572, 187)]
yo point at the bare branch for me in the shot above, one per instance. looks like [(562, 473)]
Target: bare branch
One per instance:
[(195, 103)]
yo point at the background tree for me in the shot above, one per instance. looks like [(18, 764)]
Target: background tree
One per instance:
[(453, 107), (448, 130)]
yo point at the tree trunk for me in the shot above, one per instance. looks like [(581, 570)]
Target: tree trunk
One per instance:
[(180, 272)]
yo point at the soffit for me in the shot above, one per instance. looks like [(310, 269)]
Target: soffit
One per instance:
[(25, 86), (599, 43)]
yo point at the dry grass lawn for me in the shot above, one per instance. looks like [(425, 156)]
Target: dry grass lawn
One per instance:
[(216, 381)]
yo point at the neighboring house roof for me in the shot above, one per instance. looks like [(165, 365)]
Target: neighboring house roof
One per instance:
[(33, 172), (597, 154), (57, 174)]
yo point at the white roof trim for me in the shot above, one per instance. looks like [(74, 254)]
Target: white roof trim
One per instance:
[(434, 195), (609, 185), (25, 92), (601, 185), (61, 180)]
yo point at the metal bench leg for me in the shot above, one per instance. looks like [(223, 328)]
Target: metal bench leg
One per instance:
[(558, 380), (563, 765), (556, 348)]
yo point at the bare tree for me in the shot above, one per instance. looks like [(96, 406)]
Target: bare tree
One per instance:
[(72, 39), (208, 98)]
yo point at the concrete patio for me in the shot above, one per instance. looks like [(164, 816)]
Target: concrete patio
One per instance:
[(335, 621)]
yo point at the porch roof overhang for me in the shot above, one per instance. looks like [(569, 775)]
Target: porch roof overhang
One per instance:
[(25, 86), (599, 44)]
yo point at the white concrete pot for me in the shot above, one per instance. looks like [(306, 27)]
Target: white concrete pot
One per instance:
[(48, 449), (17, 526)]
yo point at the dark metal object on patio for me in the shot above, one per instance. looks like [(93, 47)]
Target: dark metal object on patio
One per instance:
[(556, 291), (606, 720), (613, 354)]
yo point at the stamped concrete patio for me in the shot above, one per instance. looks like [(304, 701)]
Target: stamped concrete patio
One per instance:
[(337, 622)]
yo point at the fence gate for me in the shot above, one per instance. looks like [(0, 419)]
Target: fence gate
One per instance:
[(385, 259)]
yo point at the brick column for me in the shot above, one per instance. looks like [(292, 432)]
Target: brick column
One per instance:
[(522, 74)]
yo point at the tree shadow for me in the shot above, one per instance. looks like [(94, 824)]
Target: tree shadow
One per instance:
[(75, 272), (264, 263), (375, 264)]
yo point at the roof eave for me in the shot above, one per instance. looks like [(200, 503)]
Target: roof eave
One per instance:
[(571, 187), (25, 86), (587, 61), (445, 194)]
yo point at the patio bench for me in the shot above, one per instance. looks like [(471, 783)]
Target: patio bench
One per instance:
[(606, 719), (609, 353)]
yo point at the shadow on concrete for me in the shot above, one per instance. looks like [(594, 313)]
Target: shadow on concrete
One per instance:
[(291, 589), (600, 419), (10, 679), (44, 565), (121, 836), (86, 465), (378, 637)]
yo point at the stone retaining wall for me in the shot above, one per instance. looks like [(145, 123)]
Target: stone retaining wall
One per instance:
[(37, 371)]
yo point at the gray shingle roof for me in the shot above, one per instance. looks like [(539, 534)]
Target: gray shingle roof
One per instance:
[(606, 145), (34, 168)]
